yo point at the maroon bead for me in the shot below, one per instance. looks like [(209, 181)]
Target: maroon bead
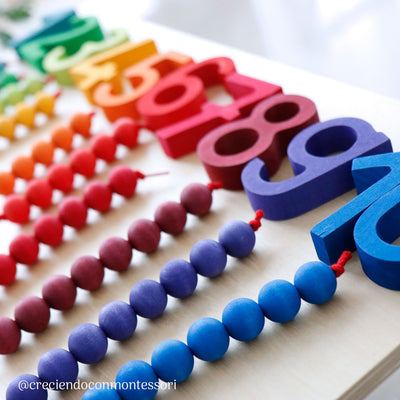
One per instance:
[(170, 217), (87, 272), (98, 196), (116, 254), (73, 212), (49, 230), (10, 335), (32, 314), (144, 235), (59, 292), (123, 180), (196, 199), (24, 249)]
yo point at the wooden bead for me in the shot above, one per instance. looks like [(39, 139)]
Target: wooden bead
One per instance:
[(170, 217), (196, 199), (16, 209), (104, 147), (7, 181), (61, 177), (8, 270), (43, 152), (81, 123), (39, 193), (24, 249), (122, 180), (98, 196), (144, 235), (73, 211), (32, 314), (126, 131), (87, 272), (10, 335), (62, 137), (59, 292), (83, 162), (116, 254), (23, 167), (49, 230)]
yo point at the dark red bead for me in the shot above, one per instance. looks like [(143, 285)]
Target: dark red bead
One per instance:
[(196, 199), (39, 193), (87, 272), (10, 335), (32, 314), (83, 162), (24, 249), (8, 270), (61, 177), (122, 180), (126, 131), (98, 196), (144, 235), (16, 209), (116, 254), (73, 211), (170, 217), (59, 292), (104, 147), (49, 230)]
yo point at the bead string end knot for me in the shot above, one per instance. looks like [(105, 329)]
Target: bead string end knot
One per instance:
[(214, 185), (256, 222), (338, 268)]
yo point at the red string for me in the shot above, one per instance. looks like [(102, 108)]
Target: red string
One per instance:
[(256, 222), (141, 175), (214, 185), (338, 268), (58, 94), (49, 79)]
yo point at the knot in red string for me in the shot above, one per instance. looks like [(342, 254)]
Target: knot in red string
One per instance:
[(256, 222), (214, 185), (338, 268), (140, 175)]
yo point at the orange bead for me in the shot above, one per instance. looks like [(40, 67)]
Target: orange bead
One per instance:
[(81, 123), (62, 137), (43, 152), (23, 167), (6, 183)]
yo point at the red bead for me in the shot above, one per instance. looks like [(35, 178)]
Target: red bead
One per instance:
[(73, 211), (39, 193), (32, 314), (116, 254), (24, 249), (170, 217), (126, 131), (49, 230), (16, 209), (59, 292), (122, 180), (8, 269), (97, 195), (104, 147), (144, 235), (196, 199), (83, 162), (10, 335), (61, 177), (87, 272)]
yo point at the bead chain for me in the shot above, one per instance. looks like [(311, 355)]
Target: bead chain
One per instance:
[(32, 313)]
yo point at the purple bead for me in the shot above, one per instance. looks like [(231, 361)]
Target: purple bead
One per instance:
[(88, 343), (118, 320), (179, 278), (208, 257), (238, 238), (57, 366), (144, 235), (35, 390), (148, 298), (116, 254)]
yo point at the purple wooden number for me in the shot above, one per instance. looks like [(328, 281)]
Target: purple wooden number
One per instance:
[(321, 157)]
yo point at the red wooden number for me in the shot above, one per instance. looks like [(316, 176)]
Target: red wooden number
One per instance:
[(178, 111)]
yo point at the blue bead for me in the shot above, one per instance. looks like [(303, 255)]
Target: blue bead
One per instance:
[(118, 320), (58, 365), (179, 278), (243, 319), (208, 257), (237, 238), (141, 378), (208, 339), (148, 298), (279, 300), (172, 361), (88, 343), (34, 391), (316, 282), (101, 394)]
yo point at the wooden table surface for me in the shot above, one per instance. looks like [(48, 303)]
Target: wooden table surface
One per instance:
[(341, 349)]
